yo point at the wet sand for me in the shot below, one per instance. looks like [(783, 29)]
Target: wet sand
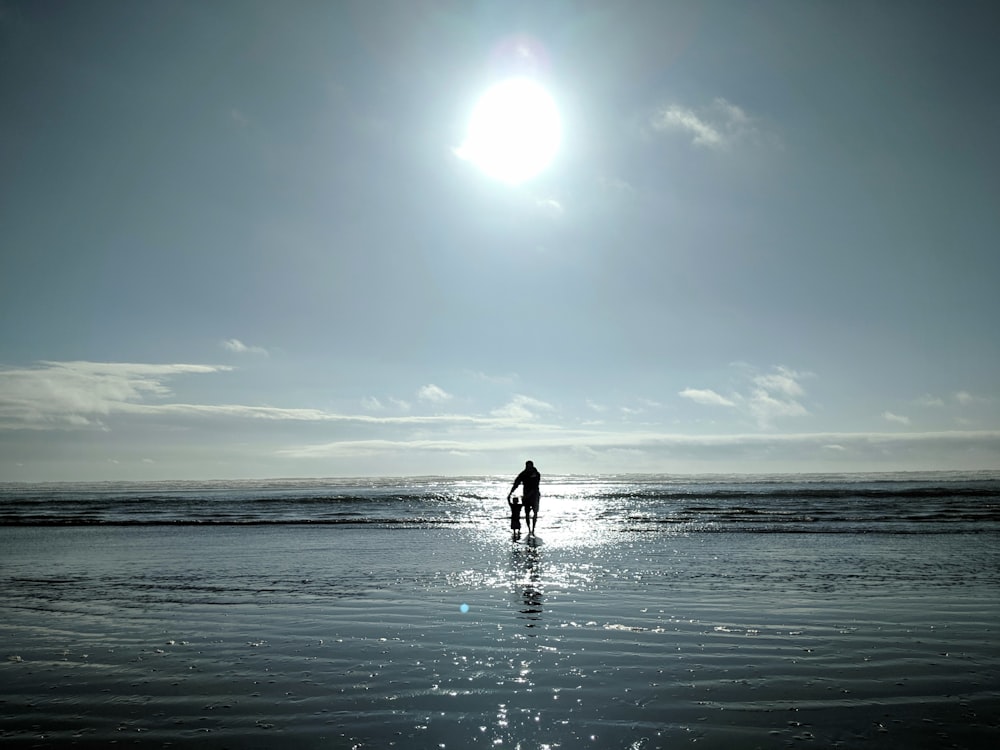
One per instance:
[(357, 638)]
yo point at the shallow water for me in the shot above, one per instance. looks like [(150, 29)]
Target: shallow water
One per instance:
[(261, 636)]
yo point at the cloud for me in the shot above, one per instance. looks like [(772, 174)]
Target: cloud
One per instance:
[(765, 397), (274, 413), (370, 403), (134, 405), (238, 117), (775, 395), (717, 126), (897, 418), (550, 207), (74, 395), (617, 186), (766, 408), (237, 346), (433, 394), (352, 449), (677, 118), (964, 398), (601, 451), (705, 396), (507, 379), (521, 407), (782, 382), (81, 394)]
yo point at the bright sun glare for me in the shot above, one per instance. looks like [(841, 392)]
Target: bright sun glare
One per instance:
[(514, 131)]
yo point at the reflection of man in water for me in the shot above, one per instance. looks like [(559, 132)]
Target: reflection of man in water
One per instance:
[(530, 479), (527, 586), (532, 593)]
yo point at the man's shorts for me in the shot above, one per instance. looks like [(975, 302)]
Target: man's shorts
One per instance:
[(531, 501)]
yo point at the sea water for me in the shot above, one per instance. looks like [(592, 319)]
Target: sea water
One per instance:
[(648, 612), (927, 503)]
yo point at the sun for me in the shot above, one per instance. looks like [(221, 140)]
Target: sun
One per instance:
[(514, 131)]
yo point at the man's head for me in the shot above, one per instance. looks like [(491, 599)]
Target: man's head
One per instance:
[(529, 465)]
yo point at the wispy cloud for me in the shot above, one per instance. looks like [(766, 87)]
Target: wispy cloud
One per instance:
[(604, 449), (370, 403), (964, 398), (239, 118), (617, 186), (550, 207), (131, 403), (274, 413), (961, 398), (69, 395), (783, 383), (775, 395), (765, 397), (702, 132), (237, 346), (433, 394), (81, 394), (718, 125), (897, 418), (522, 407), (352, 449), (706, 396), (502, 379)]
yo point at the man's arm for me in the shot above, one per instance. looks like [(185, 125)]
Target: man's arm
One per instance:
[(517, 481)]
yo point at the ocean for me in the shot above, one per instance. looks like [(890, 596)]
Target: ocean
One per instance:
[(649, 611), (930, 503)]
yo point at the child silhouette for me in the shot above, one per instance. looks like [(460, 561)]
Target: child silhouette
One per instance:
[(515, 516)]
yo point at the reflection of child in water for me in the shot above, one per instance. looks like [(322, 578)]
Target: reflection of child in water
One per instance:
[(515, 516)]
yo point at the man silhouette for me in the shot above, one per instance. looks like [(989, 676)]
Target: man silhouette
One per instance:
[(530, 479)]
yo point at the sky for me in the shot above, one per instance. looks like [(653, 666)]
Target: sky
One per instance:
[(242, 239)]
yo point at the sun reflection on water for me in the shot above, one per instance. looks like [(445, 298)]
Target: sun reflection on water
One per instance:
[(571, 515)]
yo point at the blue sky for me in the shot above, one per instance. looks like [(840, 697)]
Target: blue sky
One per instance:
[(237, 240)]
